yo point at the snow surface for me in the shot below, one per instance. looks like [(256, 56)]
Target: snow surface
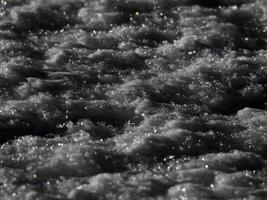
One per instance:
[(133, 99)]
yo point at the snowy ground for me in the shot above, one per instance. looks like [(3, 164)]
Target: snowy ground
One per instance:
[(133, 99)]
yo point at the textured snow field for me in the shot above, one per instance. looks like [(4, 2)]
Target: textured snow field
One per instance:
[(133, 99)]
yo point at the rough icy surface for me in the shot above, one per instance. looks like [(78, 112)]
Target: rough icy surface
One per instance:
[(133, 99)]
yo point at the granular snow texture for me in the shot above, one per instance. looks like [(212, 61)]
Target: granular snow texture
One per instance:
[(133, 99)]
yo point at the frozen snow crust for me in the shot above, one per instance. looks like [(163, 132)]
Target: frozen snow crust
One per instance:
[(133, 99)]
